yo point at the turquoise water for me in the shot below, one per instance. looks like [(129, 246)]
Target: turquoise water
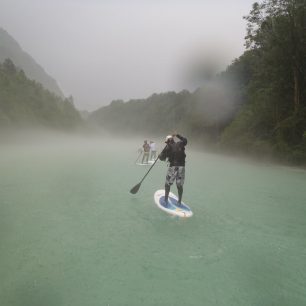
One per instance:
[(72, 234)]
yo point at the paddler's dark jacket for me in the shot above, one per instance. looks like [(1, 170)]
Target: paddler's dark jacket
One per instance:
[(175, 152)]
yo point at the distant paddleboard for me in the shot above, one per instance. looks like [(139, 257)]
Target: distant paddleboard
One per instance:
[(149, 163), (172, 208)]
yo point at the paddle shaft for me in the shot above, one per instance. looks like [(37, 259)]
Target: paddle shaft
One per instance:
[(138, 157), (136, 187), (149, 170), (152, 166)]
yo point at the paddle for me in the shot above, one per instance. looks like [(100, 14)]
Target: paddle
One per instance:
[(138, 157), (136, 187)]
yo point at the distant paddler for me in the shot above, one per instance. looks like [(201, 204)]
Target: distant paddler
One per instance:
[(152, 150), (146, 152)]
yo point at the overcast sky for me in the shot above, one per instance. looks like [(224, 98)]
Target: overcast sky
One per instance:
[(101, 50)]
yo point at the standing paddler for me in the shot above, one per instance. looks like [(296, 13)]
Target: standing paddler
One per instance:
[(175, 153)]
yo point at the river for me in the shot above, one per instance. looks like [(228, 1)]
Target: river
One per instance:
[(72, 234)]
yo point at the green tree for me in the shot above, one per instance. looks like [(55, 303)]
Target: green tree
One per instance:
[(276, 29), (275, 98)]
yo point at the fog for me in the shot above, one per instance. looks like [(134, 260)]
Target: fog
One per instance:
[(99, 51), (72, 233)]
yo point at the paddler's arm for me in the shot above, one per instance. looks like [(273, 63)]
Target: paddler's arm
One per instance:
[(181, 138), (163, 155)]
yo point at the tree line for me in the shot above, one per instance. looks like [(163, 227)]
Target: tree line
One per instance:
[(273, 119)]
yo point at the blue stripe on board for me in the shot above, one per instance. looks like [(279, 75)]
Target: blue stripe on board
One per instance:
[(172, 204)]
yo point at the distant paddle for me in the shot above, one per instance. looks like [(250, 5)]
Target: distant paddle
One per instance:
[(136, 187), (138, 156)]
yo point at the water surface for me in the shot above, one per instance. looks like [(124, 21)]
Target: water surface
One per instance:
[(72, 234)]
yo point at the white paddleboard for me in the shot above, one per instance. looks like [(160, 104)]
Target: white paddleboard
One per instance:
[(149, 163), (172, 208)]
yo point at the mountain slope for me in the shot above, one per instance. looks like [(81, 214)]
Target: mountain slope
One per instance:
[(9, 48), (26, 103)]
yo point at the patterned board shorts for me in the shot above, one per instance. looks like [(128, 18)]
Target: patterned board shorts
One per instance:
[(177, 173)]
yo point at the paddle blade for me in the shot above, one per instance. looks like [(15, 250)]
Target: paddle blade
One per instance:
[(135, 189)]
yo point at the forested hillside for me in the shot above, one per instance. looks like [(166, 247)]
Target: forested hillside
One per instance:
[(157, 114), (202, 114), (24, 102), (257, 106), (273, 120)]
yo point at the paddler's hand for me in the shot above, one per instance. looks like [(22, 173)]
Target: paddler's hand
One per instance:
[(161, 157)]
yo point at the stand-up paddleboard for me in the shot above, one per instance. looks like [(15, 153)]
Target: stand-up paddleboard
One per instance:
[(143, 164), (149, 163), (172, 208)]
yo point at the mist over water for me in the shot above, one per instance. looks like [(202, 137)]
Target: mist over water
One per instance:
[(72, 234)]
